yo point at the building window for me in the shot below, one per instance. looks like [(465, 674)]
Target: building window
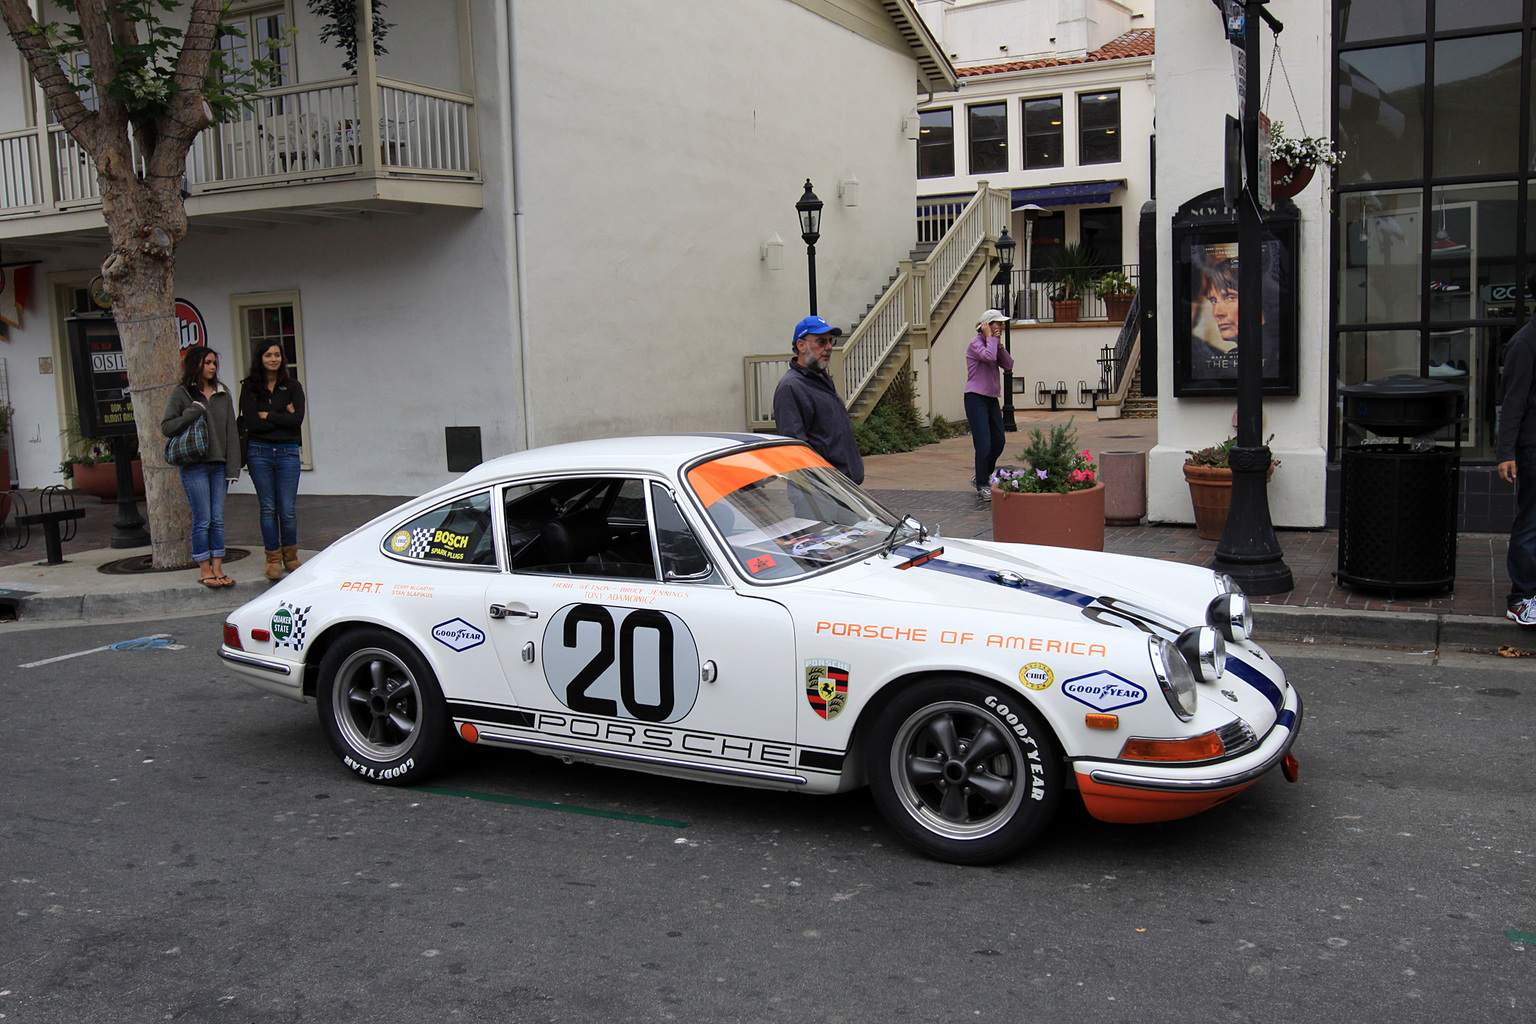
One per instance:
[(1100, 228), (1043, 143), (936, 144), (266, 317), (264, 33), (987, 131), (1098, 127)]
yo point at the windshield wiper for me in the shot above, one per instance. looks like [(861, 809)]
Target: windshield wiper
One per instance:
[(890, 539)]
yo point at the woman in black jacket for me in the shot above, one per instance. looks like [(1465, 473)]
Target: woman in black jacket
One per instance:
[(272, 405), (201, 393)]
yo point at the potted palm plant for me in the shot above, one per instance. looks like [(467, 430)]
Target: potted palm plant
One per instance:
[(1055, 498), (1072, 269), (1117, 291)]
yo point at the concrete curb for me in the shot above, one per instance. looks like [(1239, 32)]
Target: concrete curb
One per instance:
[(139, 604), (1419, 630)]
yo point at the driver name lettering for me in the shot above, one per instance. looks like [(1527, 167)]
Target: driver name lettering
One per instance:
[(651, 737)]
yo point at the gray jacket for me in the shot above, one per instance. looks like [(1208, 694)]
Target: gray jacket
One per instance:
[(223, 435)]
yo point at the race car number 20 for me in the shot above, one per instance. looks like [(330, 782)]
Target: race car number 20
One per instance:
[(638, 663)]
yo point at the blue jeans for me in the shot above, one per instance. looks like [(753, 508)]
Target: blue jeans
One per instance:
[(1522, 536), (275, 472), (205, 486), (985, 416)]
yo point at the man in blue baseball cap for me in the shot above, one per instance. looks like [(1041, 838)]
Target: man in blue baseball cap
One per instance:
[(806, 405)]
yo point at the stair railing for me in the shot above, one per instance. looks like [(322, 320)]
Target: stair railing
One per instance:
[(985, 214), (875, 337)]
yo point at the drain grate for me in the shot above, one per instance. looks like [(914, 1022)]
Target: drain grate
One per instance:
[(144, 563)]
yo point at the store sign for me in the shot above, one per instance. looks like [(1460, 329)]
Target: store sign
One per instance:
[(189, 322), (1507, 291), (101, 377)]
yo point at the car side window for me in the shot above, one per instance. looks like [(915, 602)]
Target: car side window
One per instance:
[(580, 526), (682, 556), (458, 533)]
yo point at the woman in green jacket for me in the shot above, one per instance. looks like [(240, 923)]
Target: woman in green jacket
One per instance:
[(201, 393)]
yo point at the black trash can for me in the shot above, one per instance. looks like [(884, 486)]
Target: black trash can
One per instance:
[(1398, 500)]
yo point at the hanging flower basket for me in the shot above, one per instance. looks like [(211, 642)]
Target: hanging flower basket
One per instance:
[(1286, 181)]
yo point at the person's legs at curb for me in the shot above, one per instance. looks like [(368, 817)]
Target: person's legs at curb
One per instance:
[(286, 492), (1521, 561), (260, 462), (976, 414)]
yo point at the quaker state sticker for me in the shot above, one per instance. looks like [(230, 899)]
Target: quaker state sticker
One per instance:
[(826, 687)]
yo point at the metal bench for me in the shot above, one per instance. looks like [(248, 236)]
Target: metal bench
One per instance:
[(50, 521)]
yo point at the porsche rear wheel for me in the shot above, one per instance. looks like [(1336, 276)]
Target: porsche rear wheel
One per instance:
[(381, 708), (964, 771)]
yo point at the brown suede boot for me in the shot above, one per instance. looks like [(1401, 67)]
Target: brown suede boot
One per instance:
[(291, 557), (274, 565)]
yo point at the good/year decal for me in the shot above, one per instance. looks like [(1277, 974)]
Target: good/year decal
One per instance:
[(638, 663)]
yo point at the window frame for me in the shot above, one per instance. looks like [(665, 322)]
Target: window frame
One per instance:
[(497, 540), (1060, 132), (950, 145), (1114, 131), (971, 138)]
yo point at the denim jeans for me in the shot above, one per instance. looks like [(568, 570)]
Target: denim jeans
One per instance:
[(205, 486), (275, 473), (1522, 536), (985, 416)]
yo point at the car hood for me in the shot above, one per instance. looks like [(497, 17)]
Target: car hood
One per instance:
[(1035, 580)]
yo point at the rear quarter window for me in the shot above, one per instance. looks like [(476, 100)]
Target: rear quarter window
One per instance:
[(458, 533)]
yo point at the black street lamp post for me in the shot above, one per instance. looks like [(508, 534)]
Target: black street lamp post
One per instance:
[(809, 208), (1005, 246), (1248, 550)]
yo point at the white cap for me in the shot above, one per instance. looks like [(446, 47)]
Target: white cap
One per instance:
[(992, 316)]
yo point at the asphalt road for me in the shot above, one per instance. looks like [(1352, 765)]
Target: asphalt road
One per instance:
[(178, 846)]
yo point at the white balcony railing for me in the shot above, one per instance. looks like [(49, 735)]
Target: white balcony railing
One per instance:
[(290, 135)]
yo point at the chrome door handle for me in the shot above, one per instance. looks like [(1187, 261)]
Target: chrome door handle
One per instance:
[(501, 611)]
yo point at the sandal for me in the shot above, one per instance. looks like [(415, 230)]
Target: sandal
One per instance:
[(211, 582), (227, 581)]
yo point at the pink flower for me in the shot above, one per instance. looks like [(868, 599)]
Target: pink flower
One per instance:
[(1086, 455)]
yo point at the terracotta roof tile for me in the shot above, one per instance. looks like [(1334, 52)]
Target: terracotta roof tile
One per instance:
[(1138, 42)]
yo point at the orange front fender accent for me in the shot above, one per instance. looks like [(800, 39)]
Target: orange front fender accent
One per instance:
[(1123, 805)]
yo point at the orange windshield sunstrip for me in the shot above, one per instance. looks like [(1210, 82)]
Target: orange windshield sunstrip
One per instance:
[(714, 480)]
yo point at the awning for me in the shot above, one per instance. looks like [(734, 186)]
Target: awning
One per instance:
[(1072, 193)]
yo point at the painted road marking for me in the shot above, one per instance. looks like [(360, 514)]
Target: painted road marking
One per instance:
[(546, 805), (121, 645)]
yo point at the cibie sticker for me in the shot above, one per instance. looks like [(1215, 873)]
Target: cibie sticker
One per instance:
[(1104, 691), (826, 687), (288, 625), (400, 541), (1036, 676), (458, 634)]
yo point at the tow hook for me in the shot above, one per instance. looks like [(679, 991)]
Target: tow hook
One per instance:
[(1291, 768)]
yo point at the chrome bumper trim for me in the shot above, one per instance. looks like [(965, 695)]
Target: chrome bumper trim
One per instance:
[(1110, 777), (624, 755), (265, 664)]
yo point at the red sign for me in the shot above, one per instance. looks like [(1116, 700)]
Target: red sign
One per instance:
[(190, 323)]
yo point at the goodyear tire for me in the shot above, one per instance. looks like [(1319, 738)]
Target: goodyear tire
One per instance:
[(381, 708), (964, 771)]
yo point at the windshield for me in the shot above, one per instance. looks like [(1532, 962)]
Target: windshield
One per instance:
[(784, 512)]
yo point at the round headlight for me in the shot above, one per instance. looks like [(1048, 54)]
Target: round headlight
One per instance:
[(1231, 616), (1174, 676), (1205, 651)]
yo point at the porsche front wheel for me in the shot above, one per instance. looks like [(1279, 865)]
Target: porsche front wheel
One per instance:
[(964, 771), (381, 708)]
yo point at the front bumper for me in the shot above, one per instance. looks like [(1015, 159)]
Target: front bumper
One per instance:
[(1131, 794)]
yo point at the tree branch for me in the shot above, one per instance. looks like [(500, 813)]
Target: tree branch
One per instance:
[(60, 93)]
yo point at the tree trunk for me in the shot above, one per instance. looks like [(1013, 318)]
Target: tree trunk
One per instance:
[(145, 228)]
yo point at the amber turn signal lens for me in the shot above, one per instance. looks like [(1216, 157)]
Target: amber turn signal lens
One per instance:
[(232, 636), (1199, 748), (1102, 721)]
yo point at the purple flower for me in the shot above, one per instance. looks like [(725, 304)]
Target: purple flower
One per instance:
[(1042, 474)]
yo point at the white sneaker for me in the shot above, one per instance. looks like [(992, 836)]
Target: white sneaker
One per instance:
[(1523, 613), (985, 494)]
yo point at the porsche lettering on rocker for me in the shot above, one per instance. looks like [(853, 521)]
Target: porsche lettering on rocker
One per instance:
[(638, 663)]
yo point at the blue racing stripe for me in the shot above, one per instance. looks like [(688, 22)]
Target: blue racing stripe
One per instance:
[(1287, 720), (1256, 679), (1038, 589)]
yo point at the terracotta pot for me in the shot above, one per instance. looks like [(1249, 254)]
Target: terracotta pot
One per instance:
[(1210, 491), (100, 480), (1119, 307), (1071, 520), (1286, 182), (1065, 311)]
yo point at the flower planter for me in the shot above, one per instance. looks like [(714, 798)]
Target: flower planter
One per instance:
[(1119, 307), (1071, 520), (1210, 491), (1286, 182), (1065, 311), (100, 480)]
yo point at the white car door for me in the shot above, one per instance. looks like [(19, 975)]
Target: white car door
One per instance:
[(620, 638)]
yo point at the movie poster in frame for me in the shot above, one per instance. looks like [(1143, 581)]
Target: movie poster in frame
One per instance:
[(1206, 303)]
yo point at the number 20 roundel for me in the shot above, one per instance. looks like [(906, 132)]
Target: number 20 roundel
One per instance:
[(637, 663)]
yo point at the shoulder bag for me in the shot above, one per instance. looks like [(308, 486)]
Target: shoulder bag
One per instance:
[(191, 445)]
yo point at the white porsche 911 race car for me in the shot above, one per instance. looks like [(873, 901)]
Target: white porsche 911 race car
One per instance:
[(730, 608)]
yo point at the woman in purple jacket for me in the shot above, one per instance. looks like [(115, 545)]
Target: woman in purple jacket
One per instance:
[(984, 357)]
